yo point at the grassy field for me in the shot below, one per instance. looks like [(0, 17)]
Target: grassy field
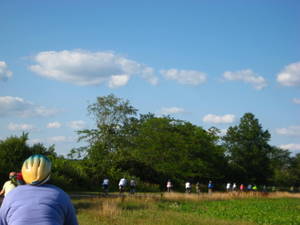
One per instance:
[(192, 209)]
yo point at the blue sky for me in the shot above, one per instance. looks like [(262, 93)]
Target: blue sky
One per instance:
[(207, 62)]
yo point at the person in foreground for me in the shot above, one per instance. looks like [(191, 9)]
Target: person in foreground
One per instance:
[(37, 202)]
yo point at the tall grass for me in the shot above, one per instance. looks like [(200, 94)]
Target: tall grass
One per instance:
[(164, 209), (228, 196)]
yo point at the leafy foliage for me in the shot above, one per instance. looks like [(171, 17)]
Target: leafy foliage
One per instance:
[(248, 150), (14, 150), (154, 149)]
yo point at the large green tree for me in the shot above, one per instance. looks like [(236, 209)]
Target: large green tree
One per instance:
[(151, 148), (280, 162), (295, 170), (111, 115), (248, 151), (165, 148)]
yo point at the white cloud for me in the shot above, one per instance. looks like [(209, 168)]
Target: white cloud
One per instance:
[(20, 127), (247, 76), (54, 125), (290, 75), (53, 140), (296, 100), (147, 74), (291, 147), (77, 124), (191, 77), (223, 132), (35, 141), (4, 72), (17, 106), (211, 118), (290, 131), (90, 68), (58, 139), (118, 81), (171, 110)]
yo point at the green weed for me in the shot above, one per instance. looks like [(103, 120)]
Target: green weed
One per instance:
[(151, 210)]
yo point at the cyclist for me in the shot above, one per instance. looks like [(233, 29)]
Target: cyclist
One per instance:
[(132, 186), (122, 184), (10, 184), (36, 202), (188, 187), (105, 185), (169, 186)]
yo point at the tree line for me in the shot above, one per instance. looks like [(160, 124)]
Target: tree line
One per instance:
[(153, 149)]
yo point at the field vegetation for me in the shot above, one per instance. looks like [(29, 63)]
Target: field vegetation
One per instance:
[(191, 209)]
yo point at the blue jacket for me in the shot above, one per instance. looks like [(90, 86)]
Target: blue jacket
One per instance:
[(43, 205)]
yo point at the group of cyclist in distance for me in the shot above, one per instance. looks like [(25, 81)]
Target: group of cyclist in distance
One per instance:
[(188, 186), (122, 185), (29, 199)]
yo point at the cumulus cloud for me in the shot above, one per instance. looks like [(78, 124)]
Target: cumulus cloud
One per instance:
[(17, 106), (35, 141), (54, 125), (59, 139), (4, 72), (90, 68), (77, 124), (296, 100), (290, 75), (290, 131), (171, 110), (291, 147), (190, 77), (20, 127), (52, 140), (211, 118), (118, 81), (247, 76), (147, 74)]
